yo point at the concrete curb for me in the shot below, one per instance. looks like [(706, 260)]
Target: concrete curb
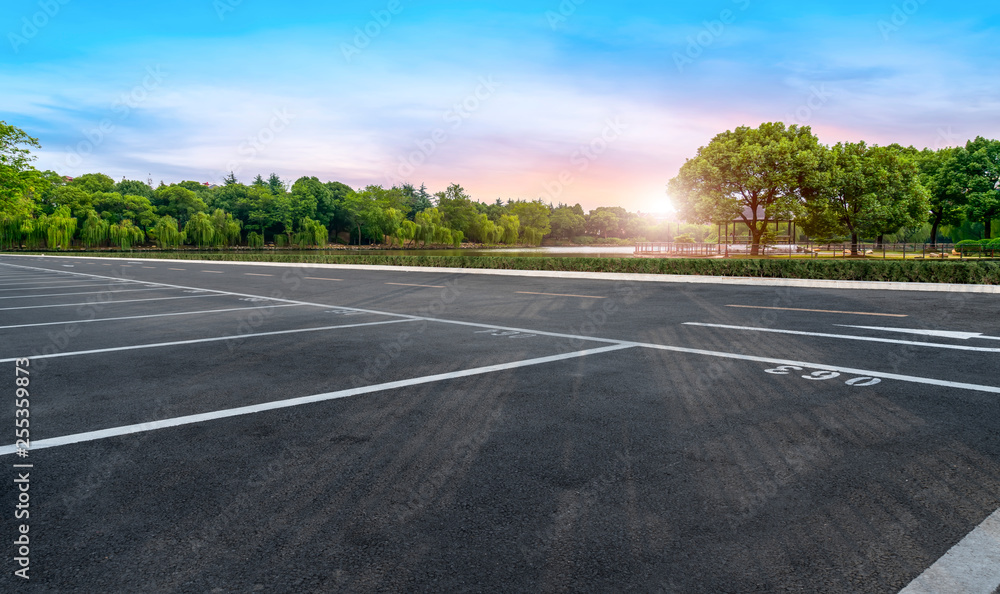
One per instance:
[(610, 276)]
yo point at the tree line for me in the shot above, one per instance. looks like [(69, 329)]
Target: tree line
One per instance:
[(44, 209), (757, 176)]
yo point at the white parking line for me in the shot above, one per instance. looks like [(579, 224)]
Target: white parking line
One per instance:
[(111, 302), (957, 347), (157, 345), (70, 294), (77, 286), (423, 286), (971, 566), (163, 315), (246, 410), (560, 295)]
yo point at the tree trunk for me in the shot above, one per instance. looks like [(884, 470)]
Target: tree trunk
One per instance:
[(934, 229), (854, 244), (755, 235), (879, 240)]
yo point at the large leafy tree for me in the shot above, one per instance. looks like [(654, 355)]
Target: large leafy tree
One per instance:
[(945, 188), (979, 165), (177, 202), (457, 207), (94, 182), (133, 187), (566, 223), (18, 179), (534, 220), (116, 208), (754, 175), (868, 190), (307, 194)]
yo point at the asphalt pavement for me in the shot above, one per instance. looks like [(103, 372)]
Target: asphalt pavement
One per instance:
[(214, 427)]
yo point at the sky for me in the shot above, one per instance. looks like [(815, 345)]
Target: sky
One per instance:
[(573, 101)]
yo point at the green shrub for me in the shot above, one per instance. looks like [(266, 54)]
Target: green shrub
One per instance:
[(969, 246)]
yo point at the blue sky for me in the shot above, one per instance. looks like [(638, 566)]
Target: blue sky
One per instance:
[(580, 101)]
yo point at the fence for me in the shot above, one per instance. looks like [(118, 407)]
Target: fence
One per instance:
[(811, 249)]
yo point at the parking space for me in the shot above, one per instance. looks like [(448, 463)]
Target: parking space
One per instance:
[(200, 427)]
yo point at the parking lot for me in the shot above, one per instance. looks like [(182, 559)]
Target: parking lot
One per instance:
[(222, 427)]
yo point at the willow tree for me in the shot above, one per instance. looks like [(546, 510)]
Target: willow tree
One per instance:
[(311, 233), (167, 234), (753, 175), (429, 223), (59, 228), (200, 229), (94, 231), (227, 229), (125, 234), (255, 240), (510, 227)]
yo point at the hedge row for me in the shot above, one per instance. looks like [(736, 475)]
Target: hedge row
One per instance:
[(919, 271)]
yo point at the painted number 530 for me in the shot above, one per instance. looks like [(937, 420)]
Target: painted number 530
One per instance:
[(823, 375)]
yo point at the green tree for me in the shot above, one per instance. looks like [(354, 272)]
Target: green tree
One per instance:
[(456, 206), (115, 207), (94, 182), (177, 202), (868, 190), (133, 187), (979, 164), (277, 186), (94, 231), (755, 175), (200, 229), (227, 229), (125, 235), (418, 200), (18, 179), (510, 227), (59, 228), (946, 192), (534, 220), (566, 224), (167, 233)]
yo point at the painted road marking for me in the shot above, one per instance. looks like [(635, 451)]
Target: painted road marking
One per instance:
[(202, 340), (176, 268), (83, 293), (322, 278), (855, 313), (255, 274), (104, 303), (560, 295), (163, 315), (573, 337), (424, 286), (213, 271), (935, 345), (938, 333), (973, 565), (245, 410), (76, 286), (150, 267)]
